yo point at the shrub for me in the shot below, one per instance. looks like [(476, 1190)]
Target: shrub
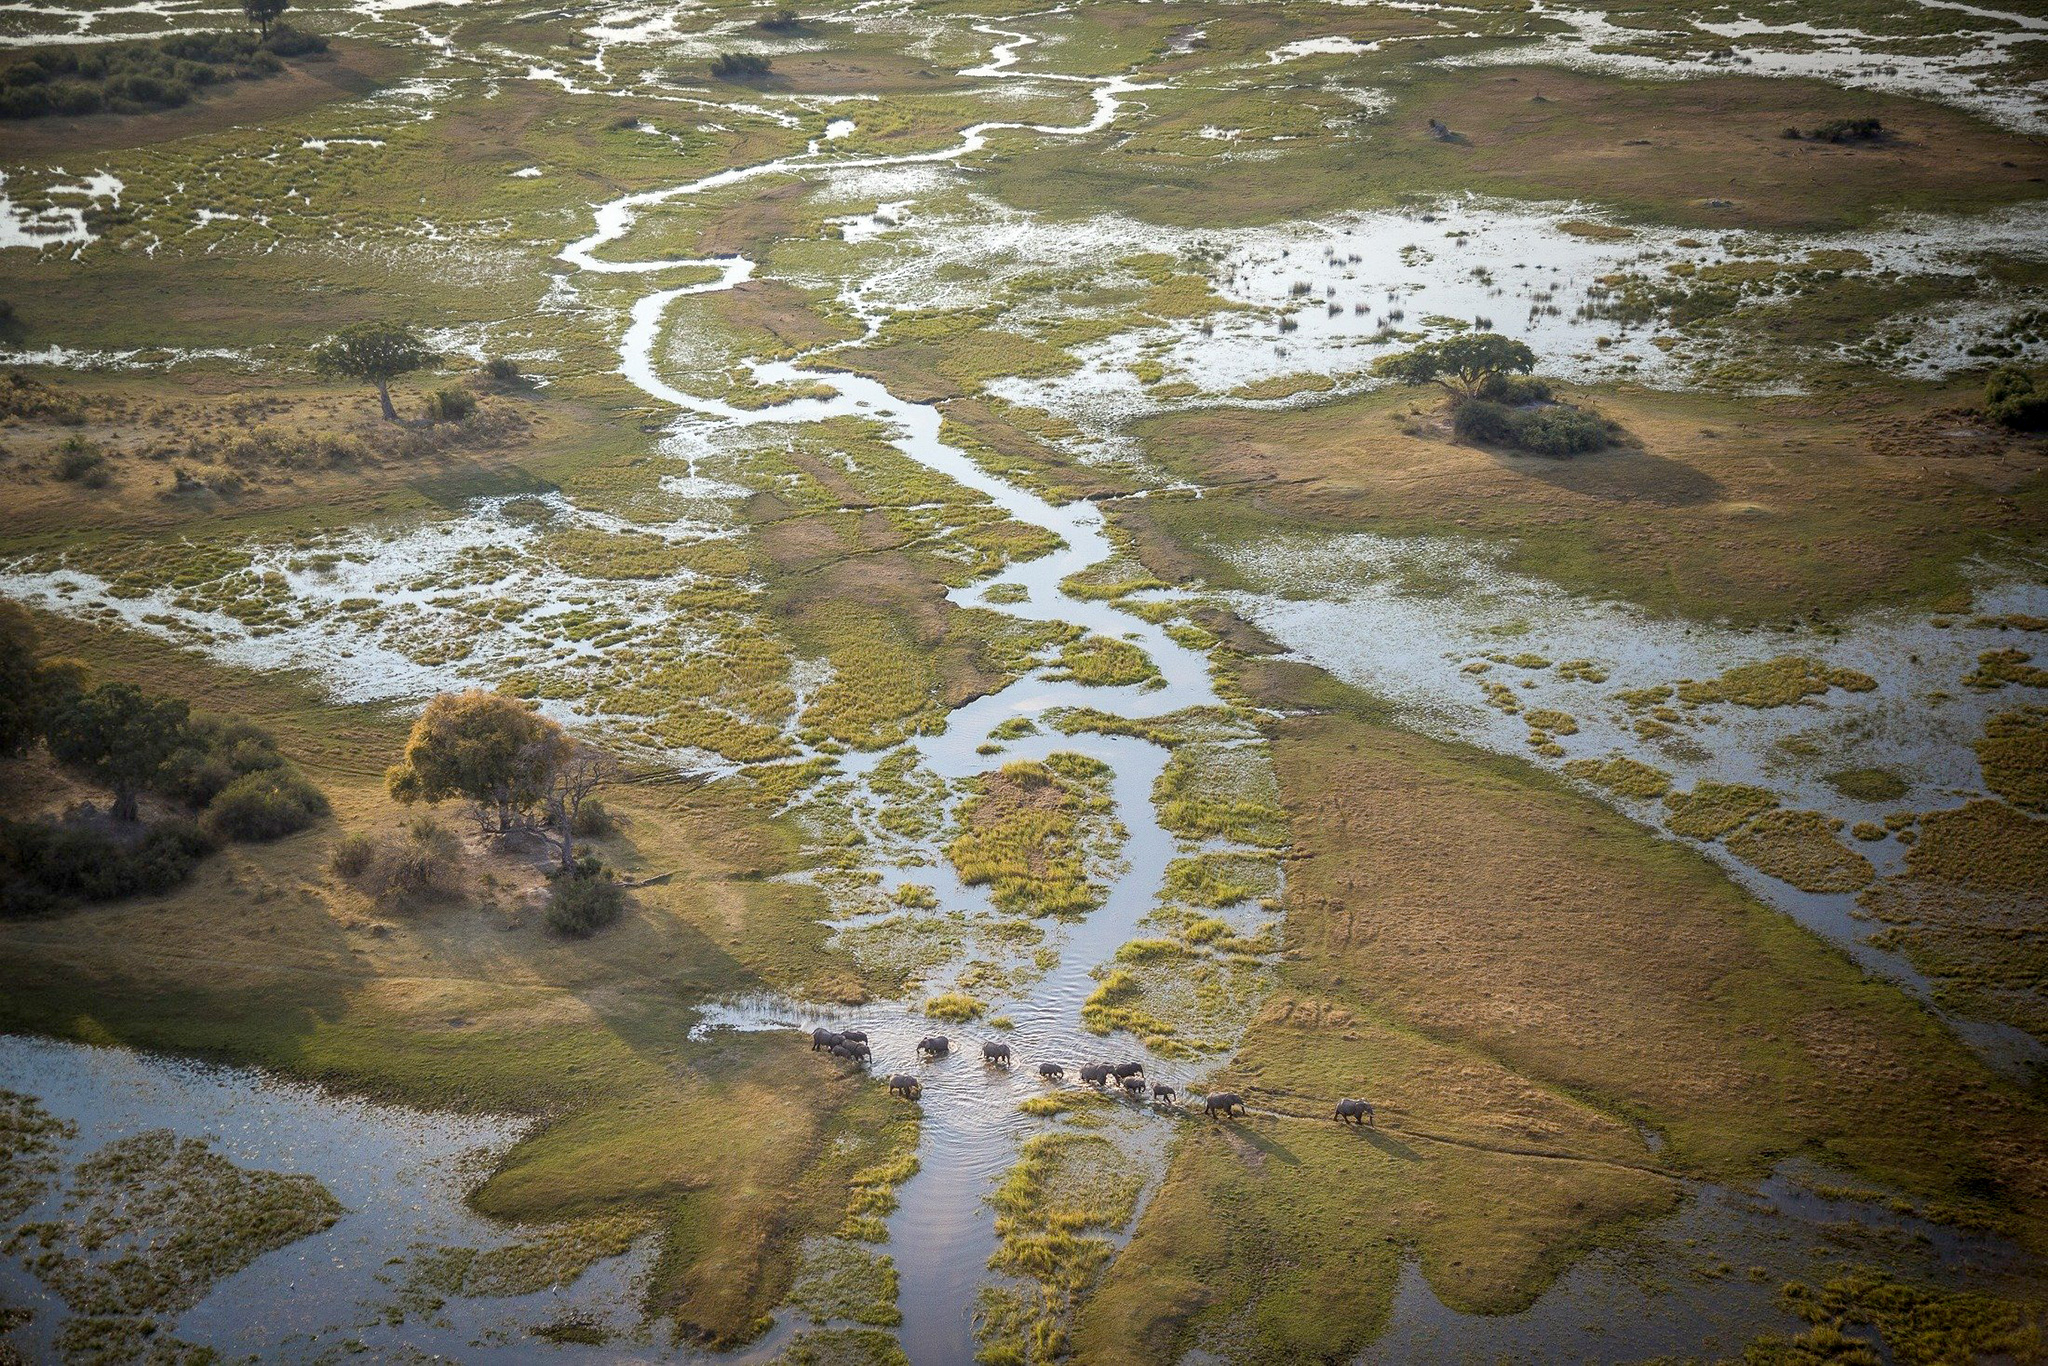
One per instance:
[(592, 821), (782, 20), (505, 373), (450, 405), (81, 462), (739, 66), (2016, 399), (1482, 421), (287, 41), (353, 856), (1848, 130), (581, 905), (265, 805)]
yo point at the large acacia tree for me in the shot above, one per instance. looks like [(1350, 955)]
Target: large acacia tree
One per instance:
[(375, 352), (1462, 364), (519, 769)]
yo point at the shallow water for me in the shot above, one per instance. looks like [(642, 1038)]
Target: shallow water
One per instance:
[(400, 1174)]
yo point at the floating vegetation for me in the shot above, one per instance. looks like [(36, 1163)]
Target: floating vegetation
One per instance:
[(1629, 777), (1800, 847), (2014, 756), (558, 1255), (1776, 682), (151, 1223), (843, 1347), (1213, 880), (1064, 1191), (1711, 810), (28, 1147), (1553, 721), (955, 1006), (841, 1280), (1223, 791), (1917, 1323), (1996, 668), (1868, 784), (1581, 671), (1115, 1005), (1100, 661)]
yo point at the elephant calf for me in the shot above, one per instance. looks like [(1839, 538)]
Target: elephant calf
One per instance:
[(996, 1052), (905, 1085), (1162, 1094), (854, 1035), (852, 1052), (1356, 1111), (1229, 1102), (1052, 1071), (1134, 1087)]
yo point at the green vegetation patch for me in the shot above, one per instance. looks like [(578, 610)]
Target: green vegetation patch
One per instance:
[(28, 1146), (1100, 661), (1217, 790), (1024, 836), (152, 1223), (1629, 777), (1800, 847), (1064, 1191), (843, 1347), (1213, 880), (2014, 756), (1996, 668), (839, 1279), (1868, 784), (558, 1255), (1711, 810), (1776, 682), (1917, 1323)]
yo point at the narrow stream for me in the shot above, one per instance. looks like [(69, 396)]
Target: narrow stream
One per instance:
[(942, 1233)]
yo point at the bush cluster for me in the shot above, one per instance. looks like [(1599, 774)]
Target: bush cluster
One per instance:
[(452, 404), (82, 463), (1553, 429), (2017, 399), (43, 866), (127, 78), (739, 66), (1841, 130), (583, 903), (422, 863), (264, 805)]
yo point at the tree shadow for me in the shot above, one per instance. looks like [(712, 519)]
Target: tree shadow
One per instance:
[(1619, 474)]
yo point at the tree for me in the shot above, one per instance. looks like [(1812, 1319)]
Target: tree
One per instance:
[(119, 736), (578, 772), (492, 749), (377, 352), (264, 13), (1462, 364)]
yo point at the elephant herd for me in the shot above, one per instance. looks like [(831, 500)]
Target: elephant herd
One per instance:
[(852, 1045)]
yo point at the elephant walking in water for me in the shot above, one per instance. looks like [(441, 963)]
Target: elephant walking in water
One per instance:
[(905, 1085), (996, 1053)]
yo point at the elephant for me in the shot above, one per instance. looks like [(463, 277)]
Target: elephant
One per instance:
[(1095, 1073), (1162, 1094), (1229, 1102), (934, 1046), (996, 1052), (854, 1035), (1052, 1071), (1357, 1111), (905, 1085), (1134, 1087), (1128, 1069), (822, 1037), (852, 1052)]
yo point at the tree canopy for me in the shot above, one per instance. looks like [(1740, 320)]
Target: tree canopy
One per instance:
[(264, 13), (1462, 364), (119, 736), (376, 352), (492, 749)]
